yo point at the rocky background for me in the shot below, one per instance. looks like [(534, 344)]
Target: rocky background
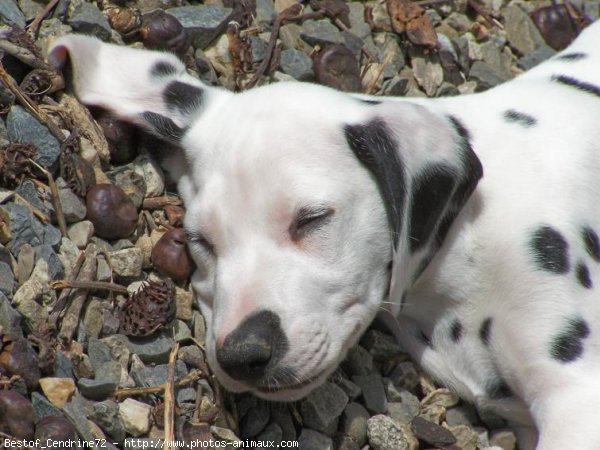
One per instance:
[(99, 333)]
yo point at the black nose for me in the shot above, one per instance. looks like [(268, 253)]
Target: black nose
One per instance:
[(254, 346)]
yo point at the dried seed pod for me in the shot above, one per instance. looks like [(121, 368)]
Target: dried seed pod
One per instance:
[(77, 172), (124, 20), (14, 163), (559, 24), (40, 82), (19, 358), (54, 428), (16, 415), (162, 31), (120, 137), (110, 210), (148, 309), (170, 256)]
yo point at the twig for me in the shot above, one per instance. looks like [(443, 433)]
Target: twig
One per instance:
[(169, 424), (88, 285), (371, 87), (64, 295), (60, 217), (22, 54), (432, 2), (35, 23), (194, 375), (161, 202), (36, 211)]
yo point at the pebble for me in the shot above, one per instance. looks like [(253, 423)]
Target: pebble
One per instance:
[(42, 407), (431, 433), (200, 21), (358, 361), (373, 392), (255, 419), (296, 64), (154, 349), (265, 12), (7, 280), (96, 389), (106, 415), (313, 440), (504, 439), (132, 182), (24, 228), (521, 32), (63, 367), (184, 301), (10, 319), (151, 173), (98, 352), (384, 433), (429, 74), (127, 262), (321, 408), (86, 18), (10, 12), (135, 416), (403, 377), (57, 390), (354, 422), (72, 206), (405, 410), (152, 376), (381, 346), (56, 269), (466, 437), (321, 32), (540, 54), (336, 66), (81, 233), (485, 75)]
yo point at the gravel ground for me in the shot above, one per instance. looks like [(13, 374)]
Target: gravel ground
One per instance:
[(97, 319)]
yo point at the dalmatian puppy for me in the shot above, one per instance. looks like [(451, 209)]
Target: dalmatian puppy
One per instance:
[(474, 220)]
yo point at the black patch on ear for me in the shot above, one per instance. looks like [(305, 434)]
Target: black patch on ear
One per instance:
[(568, 345), (182, 96), (370, 102), (498, 390), (163, 69), (163, 126), (550, 250), (520, 118), (456, 330), (431, 193), (583, 275), (374, 146), (577, 84), (484, 331), (592, 243), (576, 56)]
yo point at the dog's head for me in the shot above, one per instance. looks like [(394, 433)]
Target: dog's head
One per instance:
[(298, 200)]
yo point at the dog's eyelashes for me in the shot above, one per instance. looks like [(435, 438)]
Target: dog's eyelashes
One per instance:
[(197, 238), (308, 220)]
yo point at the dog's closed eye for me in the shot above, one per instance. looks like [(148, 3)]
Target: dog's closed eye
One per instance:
[(308, 220), (198, 239)]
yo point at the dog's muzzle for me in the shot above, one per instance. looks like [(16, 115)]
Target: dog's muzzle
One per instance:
[(251, 353)]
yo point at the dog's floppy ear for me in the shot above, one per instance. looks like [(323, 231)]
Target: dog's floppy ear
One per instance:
[(148, 88), (426, 170)]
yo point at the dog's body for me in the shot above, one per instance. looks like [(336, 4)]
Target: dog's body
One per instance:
[(292, 191)]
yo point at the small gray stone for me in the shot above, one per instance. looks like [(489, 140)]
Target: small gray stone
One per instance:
[(351, 389), (181, 332), (93, 317), (539, 55), (257, 47), (80, 233), (22, 228), (7, 280), (73, 207), (386, 434), (358, 361), (52, 236), (28, 190), (98, 352), (373, 392), (127, 262), (432, 433), (10, 13), (265, 12), (192, 356), (485, 75), (405, 409), (200, 21), (323, 406), (404, 377), (459, 22), (321, 32), (75, 411), (145, 166), (297, 64), (96, 389), (380, 345), (428, 73), (152, 376), (358, 26), (119, 348), (392, 58), (53, 27), (271, 433), (354, 422), (55, 265), (521, 32), (461, 415), (42, 407), (281, 415), (63, 368), (255, 419), (504, 439), (132, 183), (153, 349), (106, 415), (10, 319), (313, 440), (87, 18)]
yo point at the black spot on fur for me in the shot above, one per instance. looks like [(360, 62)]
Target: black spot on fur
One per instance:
[(520, 118), (163, 126), (182, 96), (484, 331), (575, 56), (551, 250), (577, 84), (592, 243), (370, 102), (456, 331), (163, 69), (568, 345), (583, 276), (499, 389), (375, 148)]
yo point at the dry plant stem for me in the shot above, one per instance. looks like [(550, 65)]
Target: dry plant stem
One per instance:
[(24, 100), (64, 295), (372, 87), (169, 424), (70, 321), (88, 285), (22, 54), (32, 28), (60, 217), (39, 214), (159, 388), (432, 2), (161, 202)]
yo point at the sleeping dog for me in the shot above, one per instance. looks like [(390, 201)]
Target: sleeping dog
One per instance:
[(474, 220)]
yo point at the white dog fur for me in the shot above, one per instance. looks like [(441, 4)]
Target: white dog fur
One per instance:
[(299, 198)]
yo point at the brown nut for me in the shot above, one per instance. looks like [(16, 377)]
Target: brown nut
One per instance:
[(55, 428), (120, 137), (124, 20), (162, 31), (19, 358), (111, 211), (16, 415), (337, 67), (170, 256)]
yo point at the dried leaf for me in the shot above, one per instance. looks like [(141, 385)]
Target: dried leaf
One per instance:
[(148, 309)]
